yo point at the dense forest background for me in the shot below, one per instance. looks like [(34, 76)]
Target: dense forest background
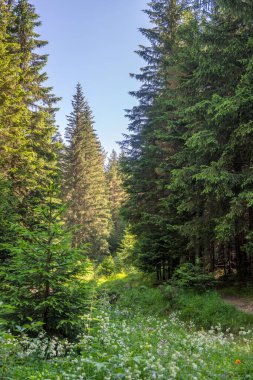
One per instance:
[(178, 196)]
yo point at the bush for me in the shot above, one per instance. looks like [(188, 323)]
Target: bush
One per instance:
[(188, 275)]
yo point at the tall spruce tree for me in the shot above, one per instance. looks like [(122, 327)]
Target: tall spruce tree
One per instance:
[(213, 166), (85, 183), (38, 100), (15, 155), (146, 148)]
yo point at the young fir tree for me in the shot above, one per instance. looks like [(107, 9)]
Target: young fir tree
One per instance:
[(117, 196), (126, 255), (85, 183), (41, 281)]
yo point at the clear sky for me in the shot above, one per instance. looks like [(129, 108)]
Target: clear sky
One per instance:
[(93, 42)]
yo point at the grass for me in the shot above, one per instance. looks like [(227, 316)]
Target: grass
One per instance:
[(205, 309), (132, 335), (209, 309), (245, 291)]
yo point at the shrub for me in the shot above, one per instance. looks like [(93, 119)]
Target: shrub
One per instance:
[(188, 275)]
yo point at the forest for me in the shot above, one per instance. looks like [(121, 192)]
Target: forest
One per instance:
[(138, 264)]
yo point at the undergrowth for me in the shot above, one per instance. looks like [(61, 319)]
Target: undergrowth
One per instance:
[(131, 333)]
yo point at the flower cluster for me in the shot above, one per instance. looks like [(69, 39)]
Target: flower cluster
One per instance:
[(119, 344)]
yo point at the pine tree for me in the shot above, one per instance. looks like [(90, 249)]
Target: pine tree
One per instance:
[(85, 182)]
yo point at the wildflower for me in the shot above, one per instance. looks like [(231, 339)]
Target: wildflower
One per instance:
[(238, 361)]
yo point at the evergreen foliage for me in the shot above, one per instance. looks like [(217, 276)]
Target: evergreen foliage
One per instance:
[(186, 165), (85, 183), (8, 220), (117, 196), (28, 149), (126, 253), (188, 155), (40, 270), (41, 280)]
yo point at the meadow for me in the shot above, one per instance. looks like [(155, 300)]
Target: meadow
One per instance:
[(131, 332)]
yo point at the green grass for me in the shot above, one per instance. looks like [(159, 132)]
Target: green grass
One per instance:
[(241, 290), (135, 292), (209, 309), (205, 309), (132, 335)]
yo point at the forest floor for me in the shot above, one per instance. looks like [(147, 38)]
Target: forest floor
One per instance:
[(240, 296), (241, 303)]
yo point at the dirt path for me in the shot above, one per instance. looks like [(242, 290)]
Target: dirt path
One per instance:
[(240, 303)]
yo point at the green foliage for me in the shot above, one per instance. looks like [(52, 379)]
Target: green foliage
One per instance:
[(8, 219), (126, 342), (188, 275), (209, 310), (189, 150), (85, 188), (135, 294), (126, 253), (41, 279), (117, 196), (107, 267)]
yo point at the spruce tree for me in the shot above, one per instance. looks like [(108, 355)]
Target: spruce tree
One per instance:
[(39, 102), (42, 279), (15, 155), (117, 196), (213, 160), (147, 146), (85, 183), (187, 173)]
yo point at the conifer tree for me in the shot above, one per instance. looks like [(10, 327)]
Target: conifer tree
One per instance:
[(212, 160), (38, 100), (42, 279), (85, 183), (15, 156), (182, 160), (8, 220), (146, 148), (117, 196)]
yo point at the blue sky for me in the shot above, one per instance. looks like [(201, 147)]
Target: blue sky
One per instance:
[(93, 42)]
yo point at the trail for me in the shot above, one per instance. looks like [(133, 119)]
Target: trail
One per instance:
[(240, 303)]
